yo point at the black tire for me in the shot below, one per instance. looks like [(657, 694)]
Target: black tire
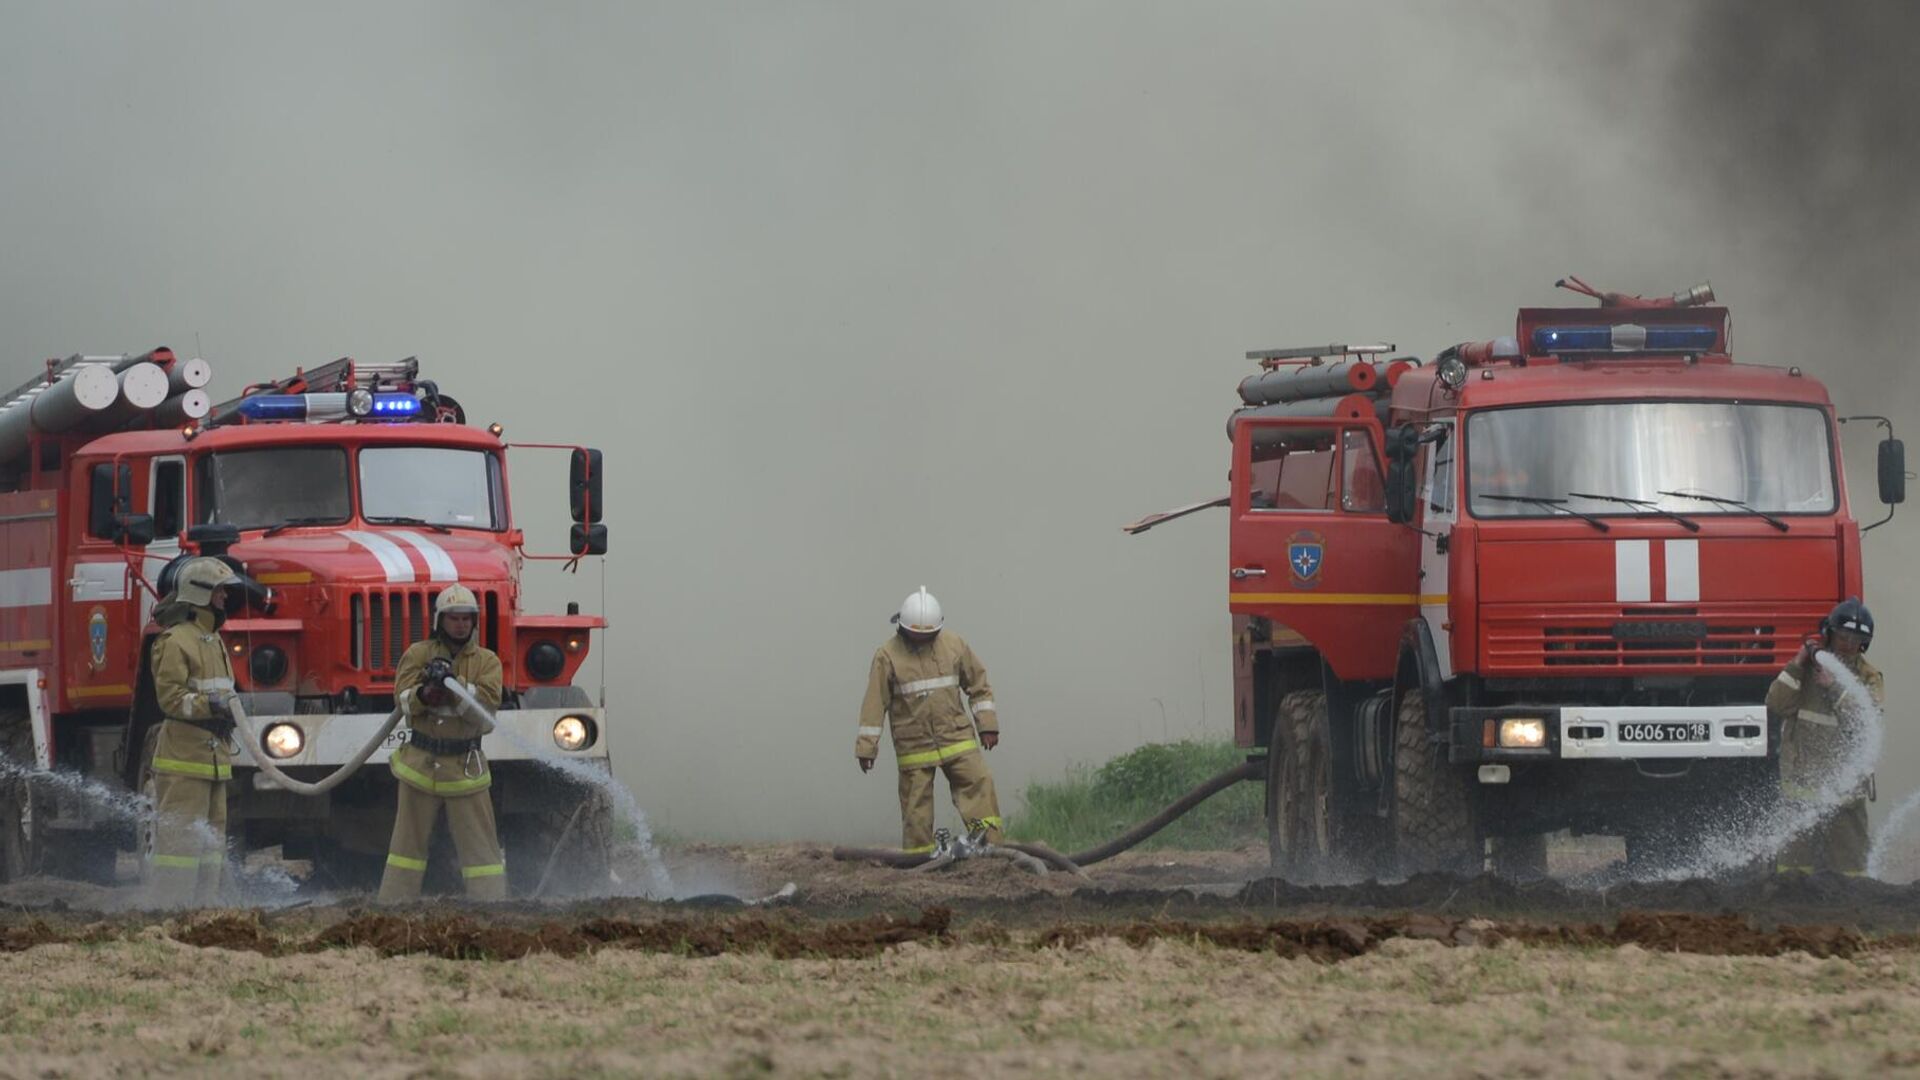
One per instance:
[(1299, 775), (1434, 825), (1521, 858)]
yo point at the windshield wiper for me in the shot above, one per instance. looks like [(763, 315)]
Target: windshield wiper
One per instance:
[(1551, 504), (1735, 503), (298, 521), (397, 519), (1644, 504)]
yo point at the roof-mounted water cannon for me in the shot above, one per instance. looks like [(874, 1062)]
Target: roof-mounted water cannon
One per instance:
[(1698, 296)]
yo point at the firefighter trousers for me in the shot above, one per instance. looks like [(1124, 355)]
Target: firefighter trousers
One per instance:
[(475, 841), (973, 796), (189, 839), (1839, 843)]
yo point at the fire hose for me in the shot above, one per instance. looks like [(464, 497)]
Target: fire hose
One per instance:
[(1073, 864), (257, 748)]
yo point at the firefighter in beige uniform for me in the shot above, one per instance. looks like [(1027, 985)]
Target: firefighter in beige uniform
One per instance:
[(193, 752), (916, 684), (441, 765), (1815, 733)]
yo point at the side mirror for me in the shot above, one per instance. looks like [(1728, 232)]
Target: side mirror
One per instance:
[(133, 530), (1893, 471), (584, 487), (587, 540), (1402, 487), (1403, 447)]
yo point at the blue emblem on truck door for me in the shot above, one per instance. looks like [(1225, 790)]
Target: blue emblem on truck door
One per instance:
[(1305, 554), (97, 638)]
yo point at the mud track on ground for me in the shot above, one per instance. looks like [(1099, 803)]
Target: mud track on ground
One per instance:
[(794, 936)]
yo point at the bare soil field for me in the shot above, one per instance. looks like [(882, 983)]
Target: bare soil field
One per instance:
[(1155, 964)]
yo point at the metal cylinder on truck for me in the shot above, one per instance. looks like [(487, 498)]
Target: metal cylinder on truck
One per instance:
[(1346, 407), (190, 374), (1303, 382), (183, 408), (143, 387), (74, 400)]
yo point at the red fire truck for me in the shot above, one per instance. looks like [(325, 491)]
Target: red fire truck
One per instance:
[(349, 495), (1541, 583)]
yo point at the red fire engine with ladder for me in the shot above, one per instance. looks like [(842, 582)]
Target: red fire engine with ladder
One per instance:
[(1541, 583), (349, 495)]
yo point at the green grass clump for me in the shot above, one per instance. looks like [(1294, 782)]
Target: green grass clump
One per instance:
[(1093, 805)]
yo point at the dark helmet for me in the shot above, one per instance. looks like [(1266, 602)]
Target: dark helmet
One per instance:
[(1849, 614)]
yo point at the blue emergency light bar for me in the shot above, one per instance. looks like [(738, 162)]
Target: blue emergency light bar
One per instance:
[(356, 404), (1624, 337)]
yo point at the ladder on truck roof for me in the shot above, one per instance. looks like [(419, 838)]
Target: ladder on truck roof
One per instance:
[(1270, 358)]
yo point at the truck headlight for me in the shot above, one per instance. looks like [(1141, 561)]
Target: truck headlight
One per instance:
[(573, 733), (1527, 733), (283, 740)]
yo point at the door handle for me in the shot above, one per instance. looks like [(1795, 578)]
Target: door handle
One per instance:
[(1241, 573)]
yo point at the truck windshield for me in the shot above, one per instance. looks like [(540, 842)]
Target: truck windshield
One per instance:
[(255, 489), (1773, 458), (432, 485)]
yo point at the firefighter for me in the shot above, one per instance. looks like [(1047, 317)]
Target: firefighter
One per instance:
[(193, 754), (1815, 734), (923, 681), (441, 765)]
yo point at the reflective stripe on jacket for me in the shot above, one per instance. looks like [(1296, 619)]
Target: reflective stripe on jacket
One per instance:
[(923, 692), (446, 775)]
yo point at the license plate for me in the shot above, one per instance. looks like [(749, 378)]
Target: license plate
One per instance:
[(1667, 733)]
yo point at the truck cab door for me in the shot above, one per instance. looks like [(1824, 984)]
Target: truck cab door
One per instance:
[(1311, 546), (100, 637)]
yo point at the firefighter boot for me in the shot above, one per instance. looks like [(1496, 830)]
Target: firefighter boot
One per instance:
[(973, 793)]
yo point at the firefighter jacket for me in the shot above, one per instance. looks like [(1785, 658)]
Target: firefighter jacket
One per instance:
[(188, 661), (1815, 732), (923, 691), (445, 774)]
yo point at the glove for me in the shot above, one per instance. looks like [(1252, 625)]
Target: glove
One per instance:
[(220, 704), (866, 763), (989, 739), (433, 681)]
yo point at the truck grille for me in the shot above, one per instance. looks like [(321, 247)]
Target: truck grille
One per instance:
[(386, 621), (1639, 642)]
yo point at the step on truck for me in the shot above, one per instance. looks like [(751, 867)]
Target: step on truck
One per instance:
[(1540, 583), (348, 495)]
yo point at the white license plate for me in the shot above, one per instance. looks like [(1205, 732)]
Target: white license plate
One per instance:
[(1697, 732)]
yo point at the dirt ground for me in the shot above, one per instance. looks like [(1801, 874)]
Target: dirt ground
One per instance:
[(1156, 963)]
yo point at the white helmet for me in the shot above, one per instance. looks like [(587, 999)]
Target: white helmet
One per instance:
[(455, 599), (920, 613), (199, 577)]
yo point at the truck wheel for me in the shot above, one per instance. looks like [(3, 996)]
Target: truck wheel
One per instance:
[(16, 743), (1299, 770), (1433, 811)]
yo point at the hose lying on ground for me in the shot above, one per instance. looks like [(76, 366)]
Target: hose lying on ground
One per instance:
[(258, 749), (1250, 770)]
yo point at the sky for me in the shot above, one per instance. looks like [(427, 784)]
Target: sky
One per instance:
[(863, 296)]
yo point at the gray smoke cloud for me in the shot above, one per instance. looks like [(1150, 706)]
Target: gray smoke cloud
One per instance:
[(864, 296)]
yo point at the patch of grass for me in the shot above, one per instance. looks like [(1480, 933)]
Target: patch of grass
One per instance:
[(1093, 805)]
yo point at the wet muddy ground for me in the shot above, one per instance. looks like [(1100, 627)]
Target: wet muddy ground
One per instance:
[(1156, 963)]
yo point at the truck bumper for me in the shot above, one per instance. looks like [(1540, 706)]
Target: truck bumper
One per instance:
[(1611, 733), (330, 740)]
